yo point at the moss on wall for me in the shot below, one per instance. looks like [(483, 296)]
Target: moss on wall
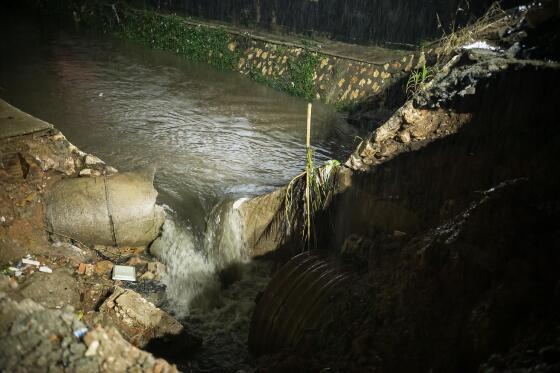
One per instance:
[(299, 77)]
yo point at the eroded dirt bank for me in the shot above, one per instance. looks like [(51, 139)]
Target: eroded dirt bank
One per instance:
[(61, 310), (446, 218)]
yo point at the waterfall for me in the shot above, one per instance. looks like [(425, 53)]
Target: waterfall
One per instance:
[(198, 265)]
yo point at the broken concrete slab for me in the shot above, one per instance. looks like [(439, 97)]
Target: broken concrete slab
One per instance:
[(14, 122), (138, 320)]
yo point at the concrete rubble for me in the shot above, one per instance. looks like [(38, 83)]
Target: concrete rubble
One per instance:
[(34, 338), (138, 320)]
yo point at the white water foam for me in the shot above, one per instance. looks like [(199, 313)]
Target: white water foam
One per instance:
[(194, 265)]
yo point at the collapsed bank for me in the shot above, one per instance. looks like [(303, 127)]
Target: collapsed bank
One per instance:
[(441, 234)]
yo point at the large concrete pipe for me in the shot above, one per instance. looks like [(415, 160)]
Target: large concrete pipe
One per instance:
[(300, 298), (115, 211)]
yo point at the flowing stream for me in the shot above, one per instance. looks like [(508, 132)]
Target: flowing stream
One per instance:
[(214, 136)]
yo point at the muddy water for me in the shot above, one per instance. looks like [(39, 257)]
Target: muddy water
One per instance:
[(213, 136)]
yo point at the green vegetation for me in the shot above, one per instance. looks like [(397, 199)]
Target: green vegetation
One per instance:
[(321, 183), (299, 78), (170, 32), (418, 80), (201, 43)]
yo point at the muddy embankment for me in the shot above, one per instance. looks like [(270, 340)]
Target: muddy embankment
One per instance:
[(440, 250)]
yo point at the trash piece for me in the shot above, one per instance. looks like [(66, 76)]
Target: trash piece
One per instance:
[(15, 271), (92, 349), (124, 273), (479, 45), (45, 269), (80, 332), (31, 262)]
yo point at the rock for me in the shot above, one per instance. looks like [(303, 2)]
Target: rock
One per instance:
[(103, 267), (92, 348), (93, 161), (86, 172), (388, 130), (138, 320), (90, 269), (148, 276), (136, 261), (404, 137), (157, 268), (114, 254), (111, 170), (399, 234), (410, 115), (81, 269)]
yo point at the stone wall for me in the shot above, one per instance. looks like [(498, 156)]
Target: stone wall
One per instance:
[(299, 68), (335, 79)]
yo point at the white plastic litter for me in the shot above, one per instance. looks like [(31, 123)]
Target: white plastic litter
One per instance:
[(31, 262), (124, 273), (479, 45), (45, 269)]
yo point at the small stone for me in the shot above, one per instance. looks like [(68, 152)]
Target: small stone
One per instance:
[(86, 172), (156, 267), (92, 349), (404, 137), (81, 269), (134, 261), (103, 267), (399, 234), (111, 170), (93, 161), (90, 268), (148, 276)]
